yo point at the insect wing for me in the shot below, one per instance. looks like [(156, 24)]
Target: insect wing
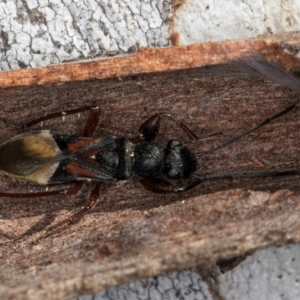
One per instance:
[(30, 157)]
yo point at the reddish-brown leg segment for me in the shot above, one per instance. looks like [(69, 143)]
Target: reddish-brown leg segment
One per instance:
[(52, 116), (150, 128), (70, 191), (92, 121), (93, 199)]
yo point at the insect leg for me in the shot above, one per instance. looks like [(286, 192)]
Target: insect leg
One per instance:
[(52, 116), (93, 199), (117, 130), (160, 186), (246, 174), (92, 122), (70, 191), (149, 129)]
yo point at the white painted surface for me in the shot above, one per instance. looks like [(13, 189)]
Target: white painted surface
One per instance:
[(270, 274), (37, 33), (185, 285), (207, 20)]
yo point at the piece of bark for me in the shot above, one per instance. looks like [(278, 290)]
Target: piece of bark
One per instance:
[(132, 233), (149, 60)]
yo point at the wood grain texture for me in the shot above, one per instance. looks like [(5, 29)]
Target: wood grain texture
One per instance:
[(149, 60), (132, 233)]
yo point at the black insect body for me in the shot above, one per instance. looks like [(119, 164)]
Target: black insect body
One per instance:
[(42, 157)]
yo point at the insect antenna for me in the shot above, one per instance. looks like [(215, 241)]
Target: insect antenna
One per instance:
[(242, 174), (265, 122)]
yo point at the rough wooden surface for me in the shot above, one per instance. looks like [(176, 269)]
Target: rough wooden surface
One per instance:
[(149, 60), (132, 233)]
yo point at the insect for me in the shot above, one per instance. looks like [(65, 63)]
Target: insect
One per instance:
[(45, 158)]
